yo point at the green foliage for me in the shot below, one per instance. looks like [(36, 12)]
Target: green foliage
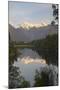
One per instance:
[(46, 76), (55, 12), (12, 54), (48, 48), (25, 84), (15, 78), (41, 79)]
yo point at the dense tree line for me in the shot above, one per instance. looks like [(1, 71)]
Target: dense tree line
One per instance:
[(15, 78), (48, 48), (46, 76)]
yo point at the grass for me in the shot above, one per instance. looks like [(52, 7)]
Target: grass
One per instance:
[(23, 46)]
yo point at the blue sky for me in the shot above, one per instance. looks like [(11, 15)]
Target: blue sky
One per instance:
[(20, 12)]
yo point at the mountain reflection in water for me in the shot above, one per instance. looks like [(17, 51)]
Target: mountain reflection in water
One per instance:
[(29, 61)]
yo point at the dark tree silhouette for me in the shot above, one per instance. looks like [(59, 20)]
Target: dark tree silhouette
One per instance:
[(55, 12), (53, 23), (15, 78), (41, 79), (46, 76)]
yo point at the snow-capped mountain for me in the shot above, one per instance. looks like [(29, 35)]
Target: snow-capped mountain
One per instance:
[(28, 25), (34, 33)]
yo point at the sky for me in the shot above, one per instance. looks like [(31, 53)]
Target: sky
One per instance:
[(20, 12)]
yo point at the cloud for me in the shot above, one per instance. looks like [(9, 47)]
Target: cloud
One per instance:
[(20, 12)]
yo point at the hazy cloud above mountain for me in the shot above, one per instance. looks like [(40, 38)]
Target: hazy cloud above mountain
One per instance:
[(20, 12)]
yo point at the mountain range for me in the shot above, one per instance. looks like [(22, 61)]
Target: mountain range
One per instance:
[(28, 33), (28, 25)]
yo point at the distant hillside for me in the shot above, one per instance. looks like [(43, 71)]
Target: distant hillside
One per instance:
[(34, 33)]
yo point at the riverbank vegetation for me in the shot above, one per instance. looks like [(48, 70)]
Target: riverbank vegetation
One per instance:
[(47, 48), (46, 76), (15, 78)]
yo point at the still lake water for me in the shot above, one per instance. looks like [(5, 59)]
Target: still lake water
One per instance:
[(29, 61)]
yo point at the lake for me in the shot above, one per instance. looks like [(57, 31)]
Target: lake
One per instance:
[(29, 61)]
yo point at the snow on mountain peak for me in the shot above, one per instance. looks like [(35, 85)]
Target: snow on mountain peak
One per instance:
[(27, 25)]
